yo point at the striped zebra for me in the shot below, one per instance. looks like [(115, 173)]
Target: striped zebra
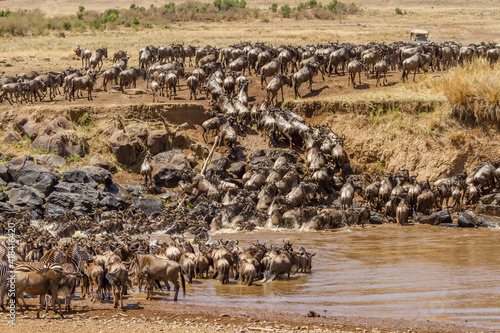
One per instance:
[(70, 263), (4, 271)]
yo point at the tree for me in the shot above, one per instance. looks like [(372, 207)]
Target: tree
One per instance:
[(274, 7), (81, 9)]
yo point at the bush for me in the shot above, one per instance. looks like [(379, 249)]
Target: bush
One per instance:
[(81, 9), (95, 24), (225, 5), (399, 11), (134, 21), (331, 6), (274, 7), (66, 25), (112, 17), (285, 11)]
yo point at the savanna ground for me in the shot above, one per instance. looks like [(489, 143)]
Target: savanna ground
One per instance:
[(402, 125)]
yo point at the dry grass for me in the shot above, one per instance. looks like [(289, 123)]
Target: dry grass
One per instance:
[(473, 91)]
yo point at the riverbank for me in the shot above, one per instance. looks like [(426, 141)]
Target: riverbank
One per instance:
[(154, 316)]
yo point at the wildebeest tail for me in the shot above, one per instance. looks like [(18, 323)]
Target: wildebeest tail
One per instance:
[(110, 278)]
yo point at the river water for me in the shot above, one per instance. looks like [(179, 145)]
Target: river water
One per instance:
[(418, 272)]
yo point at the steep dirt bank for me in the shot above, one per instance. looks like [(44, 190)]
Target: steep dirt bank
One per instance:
[(382, 135), (418, 135)]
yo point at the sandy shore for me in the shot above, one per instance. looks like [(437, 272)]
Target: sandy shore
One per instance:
[(166, 316)]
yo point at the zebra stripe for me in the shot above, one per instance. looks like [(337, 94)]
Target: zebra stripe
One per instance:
[(4, 271), (36, 266), (3, 252)]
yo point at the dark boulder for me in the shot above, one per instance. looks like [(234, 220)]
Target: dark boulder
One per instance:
[(5, 207), (19, 122), (76, 176), (25, 196), (167, 176), (493, 210), (51, 161), (148, 205), (98, 175), (174, 157), (467, 221), (158, 141), (136, 190), (127, 143), (30, 130), (489, 198), (376, 218), (59, 136), (4, 173), (11, 137), (437, 218), (102, 162), (237, 169)]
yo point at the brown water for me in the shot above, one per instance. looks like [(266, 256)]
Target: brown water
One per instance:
[(417, 272)]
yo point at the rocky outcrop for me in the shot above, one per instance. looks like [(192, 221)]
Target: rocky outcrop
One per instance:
[(59, 136)]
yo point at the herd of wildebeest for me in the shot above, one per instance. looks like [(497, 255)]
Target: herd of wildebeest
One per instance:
[(290, 65), (111, 265), (304, 180)]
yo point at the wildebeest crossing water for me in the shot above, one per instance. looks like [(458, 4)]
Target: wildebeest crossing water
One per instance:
[(416, 273)]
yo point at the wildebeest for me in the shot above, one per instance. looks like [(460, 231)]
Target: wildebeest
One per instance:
[(83, 82), (276, 85), (155, 268), (193, 82), (354, 67), (381, 68), (110, 74), (96, 58), (347, 194), (146, 170), (269, 69), (130, 76), (85, 54), (118, 55), (305, 74), (412, 63)]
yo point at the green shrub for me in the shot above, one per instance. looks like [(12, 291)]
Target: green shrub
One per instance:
[(274, 7), (134, 21), (399, 11), (112, 17), (285, 10), (66, 25), (331, 6), (81, 9)]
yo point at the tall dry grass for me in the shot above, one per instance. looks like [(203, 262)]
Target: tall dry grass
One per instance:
[(473, 91)]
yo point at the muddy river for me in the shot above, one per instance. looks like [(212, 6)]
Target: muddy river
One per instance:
[(418, 272)]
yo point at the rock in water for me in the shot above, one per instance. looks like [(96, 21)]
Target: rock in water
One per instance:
[(437, 218), (466, 221)]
